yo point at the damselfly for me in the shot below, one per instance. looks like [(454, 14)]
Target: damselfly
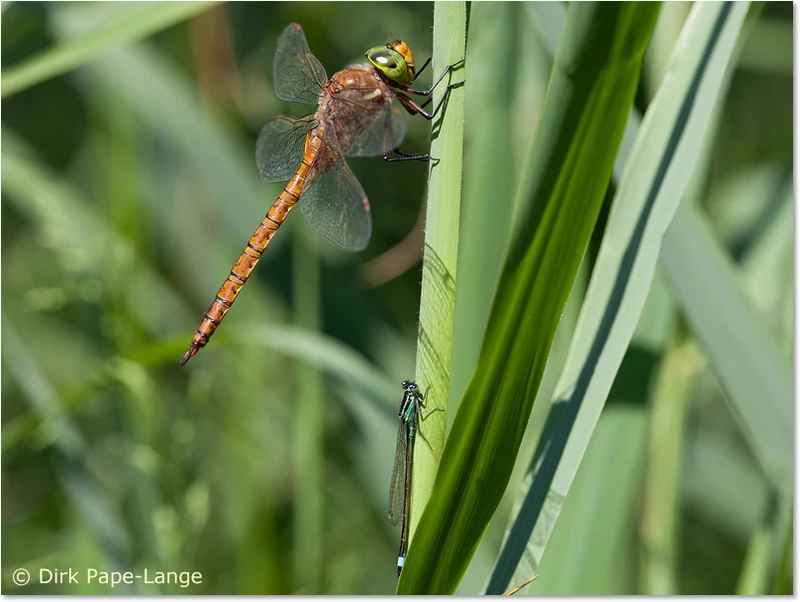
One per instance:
[(400, 489)]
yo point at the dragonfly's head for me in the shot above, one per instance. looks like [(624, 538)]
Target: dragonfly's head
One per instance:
[(394, 60)]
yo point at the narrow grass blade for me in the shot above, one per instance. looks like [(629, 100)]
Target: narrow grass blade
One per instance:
[(514, 590), (308, 420), (82, 491), (82, 240), (218, 162), (661, 499), (754, 578), (133, 22), (651, 188), (568, 169), (784, 583), (324, 353), (437, 300)]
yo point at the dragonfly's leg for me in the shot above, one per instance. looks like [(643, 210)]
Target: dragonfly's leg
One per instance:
[(403, 156), (436, 83), (421, 69), (415, 109), (430, 99), (406, 157)]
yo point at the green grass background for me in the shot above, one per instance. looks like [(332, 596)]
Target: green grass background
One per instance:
[(128, 190)]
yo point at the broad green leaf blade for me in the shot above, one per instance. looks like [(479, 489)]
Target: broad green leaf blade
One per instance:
[(652, 186), (726, 482), (755, 375), (491, 65), (134, 22), (591, 89), (598, 551), (437, 299)]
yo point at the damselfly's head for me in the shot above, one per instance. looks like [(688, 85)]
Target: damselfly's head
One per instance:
[(410, 386), (394, 60)]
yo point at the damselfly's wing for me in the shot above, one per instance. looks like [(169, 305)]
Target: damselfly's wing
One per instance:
[(385, 131), (299, 76), (335, 205), (397, 489), (280, 147)]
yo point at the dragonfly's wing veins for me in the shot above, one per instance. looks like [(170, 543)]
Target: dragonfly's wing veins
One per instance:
[(385, 132), (336, 207), (299, 76), (280, 147), (397, 487)]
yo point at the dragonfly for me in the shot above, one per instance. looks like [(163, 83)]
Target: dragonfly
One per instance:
[(400, 489), (354, 118)]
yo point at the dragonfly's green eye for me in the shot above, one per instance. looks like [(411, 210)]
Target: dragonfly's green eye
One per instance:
[(390, 63)]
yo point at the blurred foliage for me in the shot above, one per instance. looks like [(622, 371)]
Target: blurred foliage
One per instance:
[(128, 189)]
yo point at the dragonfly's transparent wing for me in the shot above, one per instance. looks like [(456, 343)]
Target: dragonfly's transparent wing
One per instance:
[(397, 489), (280, 147), (299, 76), (335, 205), (385, 131)]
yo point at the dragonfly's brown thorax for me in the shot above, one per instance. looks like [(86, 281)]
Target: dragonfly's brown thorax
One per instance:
[(361, 85), (364, 82)]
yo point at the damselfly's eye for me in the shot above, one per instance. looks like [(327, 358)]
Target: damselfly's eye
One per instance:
[(404, 384)]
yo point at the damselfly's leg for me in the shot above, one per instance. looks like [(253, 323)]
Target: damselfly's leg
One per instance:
[(428, 443), (422, 413), (424, 396), (419, 430)]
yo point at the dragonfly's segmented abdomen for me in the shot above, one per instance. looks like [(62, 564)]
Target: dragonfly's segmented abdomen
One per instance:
[(255, 248)]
